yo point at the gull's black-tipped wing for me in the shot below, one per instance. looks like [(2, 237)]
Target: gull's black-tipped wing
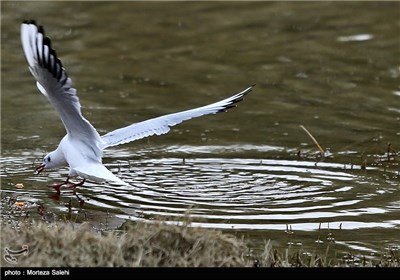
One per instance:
[(54, 83), (162, 125)]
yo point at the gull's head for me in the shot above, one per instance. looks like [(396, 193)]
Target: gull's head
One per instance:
[(51, 160)]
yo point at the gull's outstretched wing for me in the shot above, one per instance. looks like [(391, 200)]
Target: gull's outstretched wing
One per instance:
[(162, 125), (54, 83)]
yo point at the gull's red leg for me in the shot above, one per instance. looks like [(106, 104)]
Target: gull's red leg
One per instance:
[(58, 186)]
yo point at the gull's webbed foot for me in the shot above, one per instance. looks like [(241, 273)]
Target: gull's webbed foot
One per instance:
[(66, 183), (57, 187)]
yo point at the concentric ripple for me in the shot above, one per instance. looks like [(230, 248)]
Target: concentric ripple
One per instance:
[(229, 192)]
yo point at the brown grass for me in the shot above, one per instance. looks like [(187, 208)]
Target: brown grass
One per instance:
[(158, 244), (140, 244)]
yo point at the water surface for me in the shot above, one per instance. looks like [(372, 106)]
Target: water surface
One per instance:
[(332, 67)]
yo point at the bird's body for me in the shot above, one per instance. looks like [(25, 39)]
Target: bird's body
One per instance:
[(82, 161), (82, 147)]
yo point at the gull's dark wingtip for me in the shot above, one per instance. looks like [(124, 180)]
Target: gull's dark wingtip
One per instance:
[(41, 29), (250, 88), (29, 21), (32, 21), (52, 62), (236, 99), (246, 91)]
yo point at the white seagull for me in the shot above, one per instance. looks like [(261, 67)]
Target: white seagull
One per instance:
[(82, 147)]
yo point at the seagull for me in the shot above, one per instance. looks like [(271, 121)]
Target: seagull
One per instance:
[(81, 149)]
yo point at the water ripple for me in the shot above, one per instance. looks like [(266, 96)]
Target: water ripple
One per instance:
[(229, 192)]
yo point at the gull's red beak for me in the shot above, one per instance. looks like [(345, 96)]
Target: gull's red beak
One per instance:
[(40, 168)]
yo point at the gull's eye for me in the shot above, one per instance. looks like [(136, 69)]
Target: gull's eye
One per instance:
[(48, 159)]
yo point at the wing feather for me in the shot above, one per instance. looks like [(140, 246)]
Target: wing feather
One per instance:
[(53, 82), (163, 124)]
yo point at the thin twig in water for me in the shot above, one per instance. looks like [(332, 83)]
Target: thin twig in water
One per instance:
[(315, 141)]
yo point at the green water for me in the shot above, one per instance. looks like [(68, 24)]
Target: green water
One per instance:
[(332, 67)]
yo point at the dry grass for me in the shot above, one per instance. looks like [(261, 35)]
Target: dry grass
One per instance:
[(61, 244), (140, 244)]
